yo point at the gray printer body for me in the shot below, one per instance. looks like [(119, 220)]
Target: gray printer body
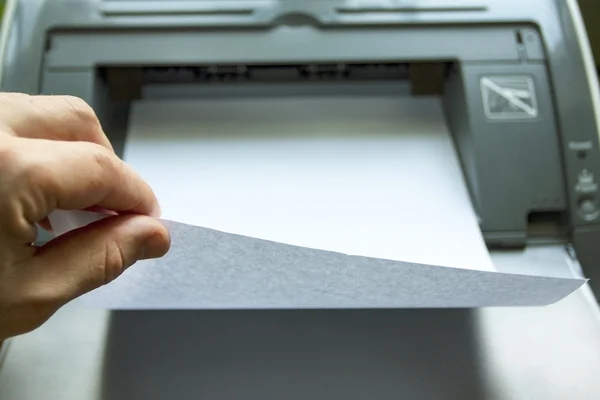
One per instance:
[(511, 76)]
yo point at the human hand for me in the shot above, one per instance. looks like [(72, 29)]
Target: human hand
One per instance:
[(54, 155)]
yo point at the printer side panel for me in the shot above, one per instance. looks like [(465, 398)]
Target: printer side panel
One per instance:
[(579, 114), (22, 46), (502, 117)]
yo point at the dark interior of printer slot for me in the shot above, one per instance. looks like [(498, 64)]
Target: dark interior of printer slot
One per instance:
[(117, 86), (127, 82)]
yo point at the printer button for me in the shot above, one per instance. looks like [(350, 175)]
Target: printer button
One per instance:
[(588, 209)]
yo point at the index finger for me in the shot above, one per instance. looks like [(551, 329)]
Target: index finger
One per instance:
[(79, 175), (64, 118)]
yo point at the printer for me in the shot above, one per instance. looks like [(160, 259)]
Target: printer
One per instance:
[(516, 84)]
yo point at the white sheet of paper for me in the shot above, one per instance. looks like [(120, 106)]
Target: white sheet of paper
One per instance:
[(369, 176)]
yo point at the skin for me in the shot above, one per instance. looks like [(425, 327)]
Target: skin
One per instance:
[(54, 155)]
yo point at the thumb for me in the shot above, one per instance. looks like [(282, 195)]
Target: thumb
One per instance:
[(86, 258)]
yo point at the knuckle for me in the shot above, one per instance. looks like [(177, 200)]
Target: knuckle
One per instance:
[(104, 160), (81, 109), (108, 164), (39, 183), (88, 126), (17, 173), (99, 169), (9, 156), (102, 156), (107, 266)]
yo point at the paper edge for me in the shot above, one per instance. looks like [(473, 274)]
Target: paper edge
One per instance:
[(64, 221)]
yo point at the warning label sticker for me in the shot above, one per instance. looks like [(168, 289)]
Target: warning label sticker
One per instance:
[(509, 97)]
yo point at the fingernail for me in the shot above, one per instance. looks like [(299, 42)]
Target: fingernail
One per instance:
[(154, 247)]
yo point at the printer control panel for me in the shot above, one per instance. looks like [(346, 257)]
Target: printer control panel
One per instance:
[(586, 183), (586, 188), (583, 179)]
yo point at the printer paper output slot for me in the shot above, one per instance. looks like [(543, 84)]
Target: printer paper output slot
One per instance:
[(426, 78), (127, 83), (513, 170)]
